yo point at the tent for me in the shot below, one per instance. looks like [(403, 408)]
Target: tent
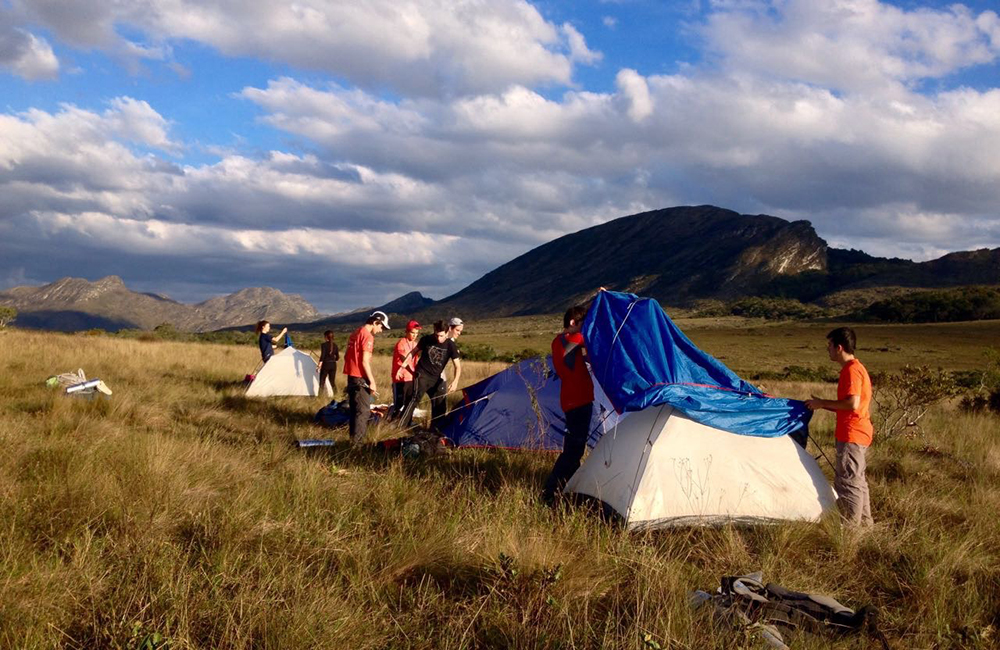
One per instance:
[(519, 408), (661, 468), (289, 372), (701, 444)]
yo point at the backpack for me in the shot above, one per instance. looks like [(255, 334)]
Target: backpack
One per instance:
[(773, 608)]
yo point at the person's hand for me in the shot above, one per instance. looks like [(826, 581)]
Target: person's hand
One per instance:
[(399, 375), (372, 388), (452, 386), (814, 404)]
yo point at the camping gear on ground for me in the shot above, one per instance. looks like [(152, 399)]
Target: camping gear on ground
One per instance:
[(88, 387), (745, 601), (76, 383), (289, 372), (334, 414), (66, 379), (421, 444), (701, 445), (518, 408)]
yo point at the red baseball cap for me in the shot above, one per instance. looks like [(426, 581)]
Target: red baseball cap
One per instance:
[(413, 325)]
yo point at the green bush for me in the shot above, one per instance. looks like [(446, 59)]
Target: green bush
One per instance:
[(774, 309), (965, 303), (985, 385), (902, 398), (7, 316)]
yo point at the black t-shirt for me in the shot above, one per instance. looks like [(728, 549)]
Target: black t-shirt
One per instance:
[(330, 353), (435, 356), (266, 349)]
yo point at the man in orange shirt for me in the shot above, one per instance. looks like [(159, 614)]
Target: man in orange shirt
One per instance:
[(854, 427), (404, 364), (360, 378), (576, 397)]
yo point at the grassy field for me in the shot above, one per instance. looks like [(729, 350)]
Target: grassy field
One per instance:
[(179, 512)]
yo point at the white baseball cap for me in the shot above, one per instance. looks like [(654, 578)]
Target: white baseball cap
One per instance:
[(382, 317)]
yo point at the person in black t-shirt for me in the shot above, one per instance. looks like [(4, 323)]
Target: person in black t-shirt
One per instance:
[(329, 355), (436, 350), (265, 341)]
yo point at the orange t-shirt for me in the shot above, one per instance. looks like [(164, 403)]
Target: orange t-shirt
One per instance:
[(855, 426), (403, 347), (361, 341)]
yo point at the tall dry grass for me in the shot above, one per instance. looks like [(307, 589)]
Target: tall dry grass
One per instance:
[(180, 508)]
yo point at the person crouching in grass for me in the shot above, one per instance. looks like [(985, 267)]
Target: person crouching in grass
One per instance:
[(854, 427)]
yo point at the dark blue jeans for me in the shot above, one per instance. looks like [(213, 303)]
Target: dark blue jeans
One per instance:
[(574, 444), (359, 398)]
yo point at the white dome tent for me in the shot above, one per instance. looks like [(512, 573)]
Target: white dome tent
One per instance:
[(660, 468), (289, 372)]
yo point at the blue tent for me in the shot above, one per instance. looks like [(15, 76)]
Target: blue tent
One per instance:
[(519, 408), (642, 359)]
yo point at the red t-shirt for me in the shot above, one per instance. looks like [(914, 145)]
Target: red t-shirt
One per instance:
[(361, 341), (403, 347), (577, 388), (855, 426)]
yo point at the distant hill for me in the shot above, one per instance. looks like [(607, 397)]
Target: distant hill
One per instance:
[(684, 255), (674, 255), (74, 304)]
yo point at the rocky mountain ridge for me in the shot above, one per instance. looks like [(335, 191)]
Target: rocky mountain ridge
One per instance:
[(70, 304)]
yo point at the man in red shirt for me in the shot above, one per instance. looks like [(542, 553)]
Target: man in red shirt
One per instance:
[(854, 427), (404, 364), (576, 398), (360, 378)]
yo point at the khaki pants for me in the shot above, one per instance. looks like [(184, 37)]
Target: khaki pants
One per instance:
[(851, 484)]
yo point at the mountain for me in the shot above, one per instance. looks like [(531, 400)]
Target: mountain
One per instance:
[(407, 304), (674, 255), (74, 303), (684, 254)]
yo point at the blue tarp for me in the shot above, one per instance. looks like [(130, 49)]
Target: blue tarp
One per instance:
[(500, 411), (641, 359)]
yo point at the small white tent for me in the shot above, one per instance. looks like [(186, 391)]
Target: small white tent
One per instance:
[(659, 469), (289, 372)]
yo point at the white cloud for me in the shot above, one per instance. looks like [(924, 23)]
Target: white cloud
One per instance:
[(421, 47), (851, 45), (634, 89), (609, 21), (578, 46), (27, 55)]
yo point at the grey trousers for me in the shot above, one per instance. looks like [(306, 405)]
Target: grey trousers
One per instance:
[(851, 484)]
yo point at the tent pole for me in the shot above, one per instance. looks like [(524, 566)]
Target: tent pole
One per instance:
[(823, 453)]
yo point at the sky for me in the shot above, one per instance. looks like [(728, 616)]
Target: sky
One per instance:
[(353, 151)]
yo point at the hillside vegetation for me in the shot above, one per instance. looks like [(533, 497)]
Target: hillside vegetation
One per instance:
[(178, 514)]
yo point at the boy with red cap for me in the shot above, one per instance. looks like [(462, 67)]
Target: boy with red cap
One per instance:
[(404, 364)]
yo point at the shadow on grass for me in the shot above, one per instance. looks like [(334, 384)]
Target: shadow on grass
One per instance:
[(277, 411), (490, 470)]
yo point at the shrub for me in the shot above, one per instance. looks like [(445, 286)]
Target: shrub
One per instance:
[(757, 307), (965, 303), (7, 316), (902, 398), (478, 352), (985, 385)]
